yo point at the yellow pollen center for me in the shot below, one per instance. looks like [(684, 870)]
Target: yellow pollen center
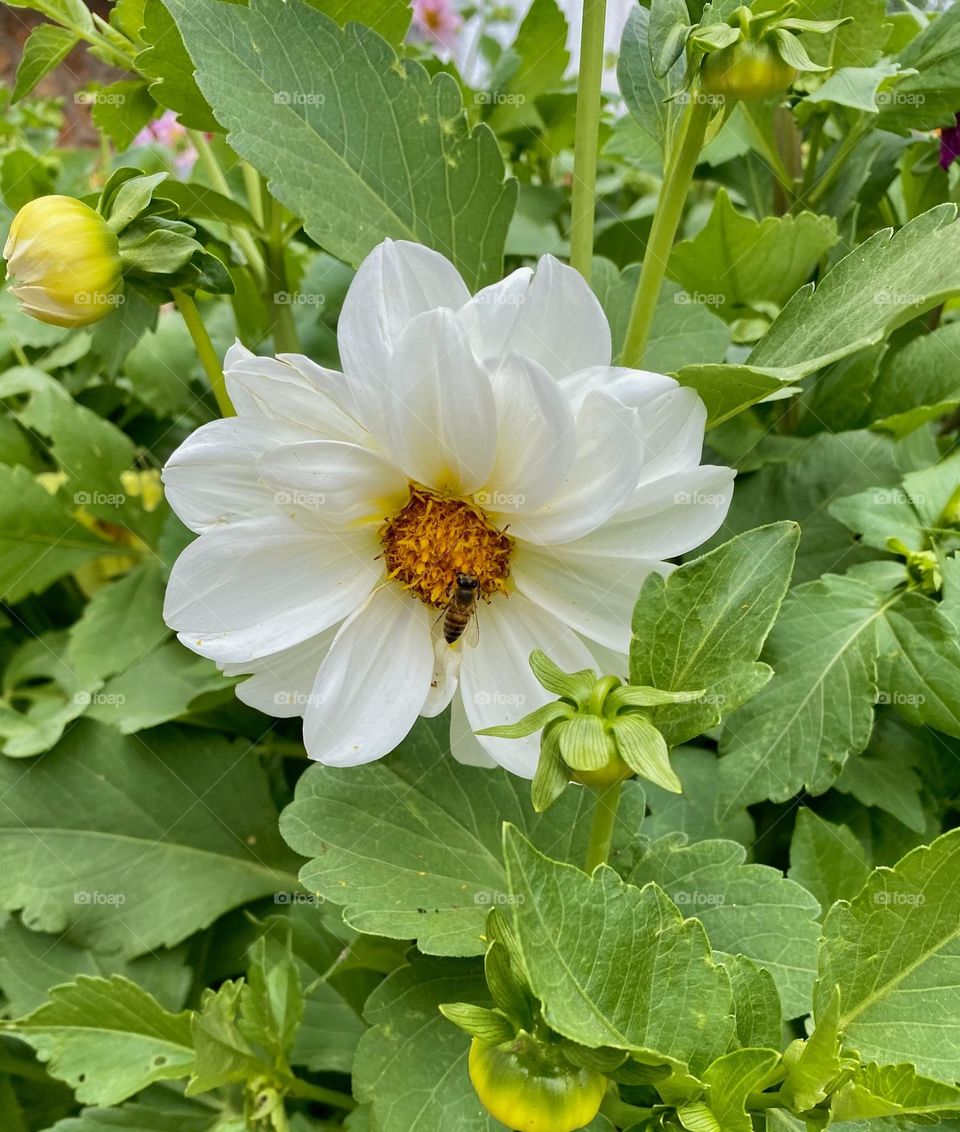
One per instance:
[(435, 538)]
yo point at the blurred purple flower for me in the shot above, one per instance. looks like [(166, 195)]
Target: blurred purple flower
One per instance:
[(950, 144), (168, 132)]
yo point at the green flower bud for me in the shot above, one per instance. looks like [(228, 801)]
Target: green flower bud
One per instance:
[(64, 262)]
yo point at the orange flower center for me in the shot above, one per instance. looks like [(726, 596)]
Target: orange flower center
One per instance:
[(434, 538)]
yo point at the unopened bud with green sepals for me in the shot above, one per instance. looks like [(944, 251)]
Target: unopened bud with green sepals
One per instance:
[(597, 733)]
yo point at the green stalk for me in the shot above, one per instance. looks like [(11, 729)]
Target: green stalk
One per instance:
[(307, 1091), (604, 821), (586, 140), (666, 221), (285, 337), (208, 356), (248, 245)]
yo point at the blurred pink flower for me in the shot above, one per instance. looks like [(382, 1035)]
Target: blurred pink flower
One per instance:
[(438, 20), (950, 144), (168, 132)]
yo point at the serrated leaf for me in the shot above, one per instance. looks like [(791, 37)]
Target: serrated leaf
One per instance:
[(108, 1038), (412, 1064), (918, 382), (286, 80), (45, 50), (590, 947), (885, 774), (739, 265), (137, 843), (930, 97), (411, 844), (746, 909), (798, 731), (166, 62), (893, 1090), (858, 43), (886, 281), (704, 626), (893, 951), (156, 1110), (731, 1079), (756, 1003), (827, 859)]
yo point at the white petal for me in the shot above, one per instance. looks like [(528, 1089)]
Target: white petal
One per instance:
[(667, 517), (495, 678), (267, 388), (556, 320), (254, 588), (438, 419), (340, 483), (212, 477), (536, 437), (373, 682), (594, 594), (672, 418), (603, 476), (464, 745), (397, 281), (446, 673), (280, 684)]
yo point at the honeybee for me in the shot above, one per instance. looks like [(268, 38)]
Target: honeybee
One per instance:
[(460, 616)]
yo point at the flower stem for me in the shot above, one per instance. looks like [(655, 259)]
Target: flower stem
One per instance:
[(673, 196), (248, 245), (285, 336), (208, 356), (308, 1091), (586, 138), (604, 821)]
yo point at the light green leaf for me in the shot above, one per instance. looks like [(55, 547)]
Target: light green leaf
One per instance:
[(40, 539), (45, 50), (886, 281), (382, 151), (729, 389), (880, 513), (389, 18), (412, 1065), (827, 859), (894, 952), (918, 382), (731, 1079), (108, 1038), (704, 627), (798, 731), (739, 266), (885, 774), (858, 43), (756, 1003), (137, 843), (411, 844), (157, 1110), (70, 13), (892, 1090), (694, 812), (814, 1065), (746, 909), (647, 96), (166, 62), (930, 97), (856, 87), (532, 65), (591, 946)]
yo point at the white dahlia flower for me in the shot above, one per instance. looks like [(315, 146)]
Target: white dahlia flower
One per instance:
[(486, 436)]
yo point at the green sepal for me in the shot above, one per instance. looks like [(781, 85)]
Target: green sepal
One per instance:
[(635, 695), (500, 930), (506, 987), (488, 1025), (534, 721), (575, 686), (603, 1060), (792, 51), (714, 37), (552, 776), (644, 750), (584, 742), (126, 196), (818, 27)]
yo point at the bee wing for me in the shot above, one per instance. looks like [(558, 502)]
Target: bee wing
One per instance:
[(471, 634)]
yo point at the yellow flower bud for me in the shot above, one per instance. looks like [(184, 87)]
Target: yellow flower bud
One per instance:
[(64, 262)]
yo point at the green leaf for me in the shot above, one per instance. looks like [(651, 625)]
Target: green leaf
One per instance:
[(814, 1065), (746, 909), (704, 627), (389, 18), (756, 1003), (32, 963), (647, 96), (108, 1038), (695, 811), (739, 266), (132, 844), (731, 1079), (893, 952), (166, 62), (727, 390), (412, 1064), (930, 97), (591, 947), (40, 539), (827, 859), (539, 58), (885, 774), (122, 109), (798, 731), (880, 513), (156, 1110), (892, 1090), (886, 281), (644, 750), (858, 43), (122, 622), (411, 844), (855, 87), (288, 80), (70, 13), (45, 50)]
